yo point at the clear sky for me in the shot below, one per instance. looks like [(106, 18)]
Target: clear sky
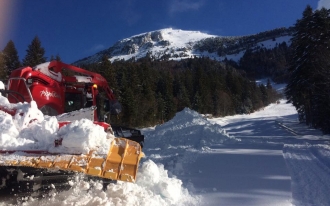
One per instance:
[(75, 29)]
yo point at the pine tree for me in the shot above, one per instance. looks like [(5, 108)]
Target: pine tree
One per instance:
[(35, 53), (57, 58), (180, 93), (320, 78), (3, 73), (197, 102), (160, 108), (308, 88), (128, 101), (11, 58), (170, 106), (269, 85), (148, 101), (107, 69), (298, 90), (204, 89)]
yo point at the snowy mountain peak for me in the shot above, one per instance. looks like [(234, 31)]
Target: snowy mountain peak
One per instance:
[(167, 37), (177, 44), (165, 42)]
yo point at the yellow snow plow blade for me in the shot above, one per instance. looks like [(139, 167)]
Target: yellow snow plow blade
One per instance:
[(121, 162)]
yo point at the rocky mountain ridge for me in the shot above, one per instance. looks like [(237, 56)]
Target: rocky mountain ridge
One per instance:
[(166, 44)]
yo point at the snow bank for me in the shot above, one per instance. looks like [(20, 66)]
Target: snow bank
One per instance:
[(28, 129), (83, 135), (178, 141), (187, 128)]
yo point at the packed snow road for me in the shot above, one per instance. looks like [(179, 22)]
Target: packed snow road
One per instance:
[(248, 160), (309, 166), (266, 177), (241, 175)]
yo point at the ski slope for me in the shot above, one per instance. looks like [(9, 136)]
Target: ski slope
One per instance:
[(264, 158)]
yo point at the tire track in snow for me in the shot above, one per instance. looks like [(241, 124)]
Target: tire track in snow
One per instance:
[(310, 174), (286, 128)]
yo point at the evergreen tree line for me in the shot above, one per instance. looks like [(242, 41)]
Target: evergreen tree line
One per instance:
[(309, 82), (9, 59), (152, 91), (272, 63), (257, 62), (233, 45)]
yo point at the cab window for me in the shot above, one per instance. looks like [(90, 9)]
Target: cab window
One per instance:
[(73, 101)]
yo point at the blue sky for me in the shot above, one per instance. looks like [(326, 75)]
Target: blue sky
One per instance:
[(75, 29)]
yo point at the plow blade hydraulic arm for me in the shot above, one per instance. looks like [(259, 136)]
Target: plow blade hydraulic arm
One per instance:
[(121, 162)]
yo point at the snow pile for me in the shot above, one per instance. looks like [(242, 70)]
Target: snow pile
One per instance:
[(83, 135), (8, 131), (179, 141), (28, 129), (2, 85), (188, 128), (42, 134), (156, 178), (26, 113)]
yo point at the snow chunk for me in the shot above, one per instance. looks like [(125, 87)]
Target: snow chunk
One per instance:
[(2, 85), (8, 131), (43, 134), (83, 136), (156, 178), (26, 114), (43, 68)]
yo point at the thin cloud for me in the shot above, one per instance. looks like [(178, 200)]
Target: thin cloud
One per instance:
[(96, 48), (184, 5), (323, 3), (128, 11)]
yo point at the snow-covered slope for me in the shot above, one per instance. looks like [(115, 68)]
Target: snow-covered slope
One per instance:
[(159, 43), (178, 44)]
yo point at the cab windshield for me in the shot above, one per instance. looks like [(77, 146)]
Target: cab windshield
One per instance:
[(73, 101)]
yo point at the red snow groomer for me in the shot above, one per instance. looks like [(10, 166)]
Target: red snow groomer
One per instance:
[(69, 93)]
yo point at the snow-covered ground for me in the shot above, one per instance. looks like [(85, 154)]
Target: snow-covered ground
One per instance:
[(264, 158)]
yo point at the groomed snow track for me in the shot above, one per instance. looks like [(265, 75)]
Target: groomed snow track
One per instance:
[(309, 166)]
